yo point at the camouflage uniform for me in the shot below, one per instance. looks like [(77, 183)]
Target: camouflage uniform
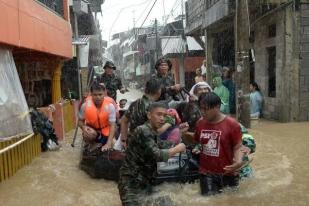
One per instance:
[(112, 84), (189, 112), (168, 81), (140, 164), (137, 112)]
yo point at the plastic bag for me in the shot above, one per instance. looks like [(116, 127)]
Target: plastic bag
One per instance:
[(14, 118)]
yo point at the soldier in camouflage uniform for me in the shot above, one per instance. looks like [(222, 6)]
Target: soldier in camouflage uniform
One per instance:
[(141, 159), (136, 114), (111, 81), (169, 88)]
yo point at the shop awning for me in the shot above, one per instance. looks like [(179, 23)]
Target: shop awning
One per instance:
[(129, 53), (82, 40)]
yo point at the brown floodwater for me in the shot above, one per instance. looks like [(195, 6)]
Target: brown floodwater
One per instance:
[(281, 176)]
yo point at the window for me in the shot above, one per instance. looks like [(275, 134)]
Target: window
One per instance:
[(272, 31), (271, 71)]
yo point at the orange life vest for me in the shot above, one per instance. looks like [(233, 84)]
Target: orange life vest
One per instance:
[(98, 119)]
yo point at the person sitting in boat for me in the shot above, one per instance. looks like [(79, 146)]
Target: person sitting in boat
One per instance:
[(97, 118), (173, 128)]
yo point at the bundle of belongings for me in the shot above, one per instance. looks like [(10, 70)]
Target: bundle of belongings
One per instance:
[(100, 164), (43, 126)]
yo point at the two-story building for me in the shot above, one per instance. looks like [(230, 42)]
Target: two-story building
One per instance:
[(278, 51), (35, 40)]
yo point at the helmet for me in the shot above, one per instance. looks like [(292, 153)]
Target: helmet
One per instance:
[(163, 60), (109, 64)]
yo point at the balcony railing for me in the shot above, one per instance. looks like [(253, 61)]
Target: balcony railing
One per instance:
[(195, 13), (54, 5)]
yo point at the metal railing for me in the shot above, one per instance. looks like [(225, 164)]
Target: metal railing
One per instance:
[(16, 153), (195, 11)]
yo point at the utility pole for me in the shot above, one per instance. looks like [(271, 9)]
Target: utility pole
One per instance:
[(183, 52), (77, 56), (134, 22), (157, 41), (242, 74)]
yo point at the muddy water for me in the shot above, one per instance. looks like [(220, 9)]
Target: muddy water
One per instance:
[(281, 176)]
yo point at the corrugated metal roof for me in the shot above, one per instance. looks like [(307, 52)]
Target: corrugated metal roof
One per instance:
[(175, 44), (192, 44), (172, 45)]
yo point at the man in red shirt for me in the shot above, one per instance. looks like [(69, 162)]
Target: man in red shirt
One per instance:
[(220, 138)]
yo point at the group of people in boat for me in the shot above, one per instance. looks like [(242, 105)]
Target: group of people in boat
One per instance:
[(158, 125)]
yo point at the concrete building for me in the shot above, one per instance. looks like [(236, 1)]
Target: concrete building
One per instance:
[(279, 57), (37, 35)]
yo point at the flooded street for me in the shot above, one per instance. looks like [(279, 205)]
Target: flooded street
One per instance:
[(281, 176)]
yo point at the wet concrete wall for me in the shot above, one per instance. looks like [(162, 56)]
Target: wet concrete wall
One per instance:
[(304, 62), (291, 101)]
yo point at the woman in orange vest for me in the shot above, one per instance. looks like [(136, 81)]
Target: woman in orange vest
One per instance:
[(97, 118)]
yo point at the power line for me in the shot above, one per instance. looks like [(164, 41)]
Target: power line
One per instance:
[(173, 9), (149, 13), (143, 11), (132, 5), (163, 10)]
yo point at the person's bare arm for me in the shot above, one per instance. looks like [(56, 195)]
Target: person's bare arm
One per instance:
[(177, 149), (81, 123), (237, 160), (165, 127), (124, 125), (112, 129)]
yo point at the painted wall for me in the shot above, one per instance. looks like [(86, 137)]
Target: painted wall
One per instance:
[(28, 24), (191, 64)]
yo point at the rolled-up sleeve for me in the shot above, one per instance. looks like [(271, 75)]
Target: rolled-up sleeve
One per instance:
[(161, 155)]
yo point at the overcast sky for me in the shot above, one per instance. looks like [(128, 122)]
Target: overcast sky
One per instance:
[(118, 15)]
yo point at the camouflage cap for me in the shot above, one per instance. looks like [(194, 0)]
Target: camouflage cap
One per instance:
[(109, 64)]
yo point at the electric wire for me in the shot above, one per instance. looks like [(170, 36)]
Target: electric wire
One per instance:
[(121, 10), (149, 12), (173, 9), (144, 10)]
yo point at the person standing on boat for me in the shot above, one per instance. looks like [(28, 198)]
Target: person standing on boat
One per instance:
[(143, 152), (97, 118)]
